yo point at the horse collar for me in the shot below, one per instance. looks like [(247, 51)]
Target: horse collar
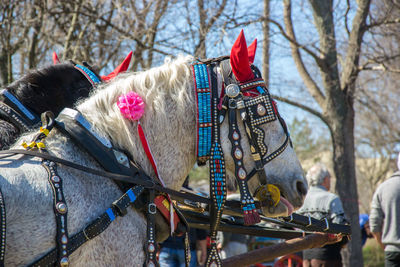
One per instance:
[(75, 125)]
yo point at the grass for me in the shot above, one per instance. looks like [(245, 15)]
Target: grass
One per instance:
[(373, 254)]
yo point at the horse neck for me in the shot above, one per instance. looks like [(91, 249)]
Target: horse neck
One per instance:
[(8, 134), (169, 125), (172, 143)]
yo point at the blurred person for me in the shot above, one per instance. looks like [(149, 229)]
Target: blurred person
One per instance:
[(385, 217), (320, 204), (172, 250), (233, 244), (365, 229)]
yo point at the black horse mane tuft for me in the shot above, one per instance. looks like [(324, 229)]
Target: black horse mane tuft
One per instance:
[(51, 88)]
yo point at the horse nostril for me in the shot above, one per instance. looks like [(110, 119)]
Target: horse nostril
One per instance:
[(301, 188)]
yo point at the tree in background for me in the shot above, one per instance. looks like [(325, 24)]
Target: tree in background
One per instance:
[(329, 65), (344, 77)]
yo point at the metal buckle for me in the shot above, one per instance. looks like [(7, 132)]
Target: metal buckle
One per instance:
[(152, 208), (327, 224), (232, 103), (309, 221), (291, 218)]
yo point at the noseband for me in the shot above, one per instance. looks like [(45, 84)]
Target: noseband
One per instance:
[(219, 93)]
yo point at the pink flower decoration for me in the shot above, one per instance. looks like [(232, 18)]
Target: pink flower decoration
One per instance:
[(131, 106)]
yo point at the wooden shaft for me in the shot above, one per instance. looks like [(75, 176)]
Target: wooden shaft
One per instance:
[(271, 252)]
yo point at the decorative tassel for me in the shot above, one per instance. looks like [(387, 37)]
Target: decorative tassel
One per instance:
[(251, 215)]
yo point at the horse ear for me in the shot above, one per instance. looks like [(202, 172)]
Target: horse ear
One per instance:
[(55, 58), (240, 60), (121, 68), (251, 50)]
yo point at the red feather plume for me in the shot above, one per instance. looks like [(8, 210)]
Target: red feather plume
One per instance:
[(55, 58), (121, 68), (251, 50), (239, 59)]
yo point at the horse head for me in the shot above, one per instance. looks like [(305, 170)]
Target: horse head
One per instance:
[(267, 151)]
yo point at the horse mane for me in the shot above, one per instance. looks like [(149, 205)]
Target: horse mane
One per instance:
[(164, 90), (50, 88)]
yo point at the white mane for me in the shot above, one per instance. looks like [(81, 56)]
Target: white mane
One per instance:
[(164, 91)]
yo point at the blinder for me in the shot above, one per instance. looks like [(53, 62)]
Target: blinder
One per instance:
[(256, 108)]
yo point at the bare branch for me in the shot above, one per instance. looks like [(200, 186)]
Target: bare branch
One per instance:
[(309, 82), (303, 107)]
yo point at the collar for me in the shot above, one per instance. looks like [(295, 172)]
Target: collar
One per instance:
[(72, 122)]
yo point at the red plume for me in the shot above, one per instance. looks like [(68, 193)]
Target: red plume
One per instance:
[(240, 60), (251, 50), (55, 58), (121, 68)]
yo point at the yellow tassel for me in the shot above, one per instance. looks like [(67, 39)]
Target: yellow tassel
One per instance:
[(44, 130), (40, 145), (24, 144)]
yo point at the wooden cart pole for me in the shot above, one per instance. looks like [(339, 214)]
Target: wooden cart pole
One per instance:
[(288, 247)]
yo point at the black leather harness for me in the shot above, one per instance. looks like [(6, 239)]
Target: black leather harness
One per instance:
[(133, 181), (13, 111)]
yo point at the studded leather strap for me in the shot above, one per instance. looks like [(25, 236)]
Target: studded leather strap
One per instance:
[(96, 227), (150, 246), (2, 229), (217, 177), (60, 212)]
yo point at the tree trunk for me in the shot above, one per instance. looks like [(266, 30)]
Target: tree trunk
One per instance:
[(346, 185), (265, 47), (335, 98)]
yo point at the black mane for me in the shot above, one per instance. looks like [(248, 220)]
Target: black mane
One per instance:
[(51, 88)]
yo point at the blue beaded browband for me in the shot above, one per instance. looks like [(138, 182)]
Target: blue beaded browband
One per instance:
[(92, 78), (203, 101)]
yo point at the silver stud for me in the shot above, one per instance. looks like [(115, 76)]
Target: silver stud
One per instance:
[(238, 153), (261, 110), (55, 179), (64, 262), (242, 173), (61, 207), (151, 248), (232, 90), (235, 135), (64, 239)]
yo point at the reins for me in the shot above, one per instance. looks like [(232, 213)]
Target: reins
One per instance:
[(118, 167)]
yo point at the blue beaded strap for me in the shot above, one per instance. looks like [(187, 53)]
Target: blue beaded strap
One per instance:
[(92, 78), (203, 100), (217, 177)]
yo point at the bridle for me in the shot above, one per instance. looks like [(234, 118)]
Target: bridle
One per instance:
[(218, 93), (123, 169)]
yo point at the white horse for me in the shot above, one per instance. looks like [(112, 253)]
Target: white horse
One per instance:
[(169, 123)]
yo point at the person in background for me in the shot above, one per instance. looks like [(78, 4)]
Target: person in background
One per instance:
[(365, 229), (385, 217), (233, 244), (172, 250), (319, 204)]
